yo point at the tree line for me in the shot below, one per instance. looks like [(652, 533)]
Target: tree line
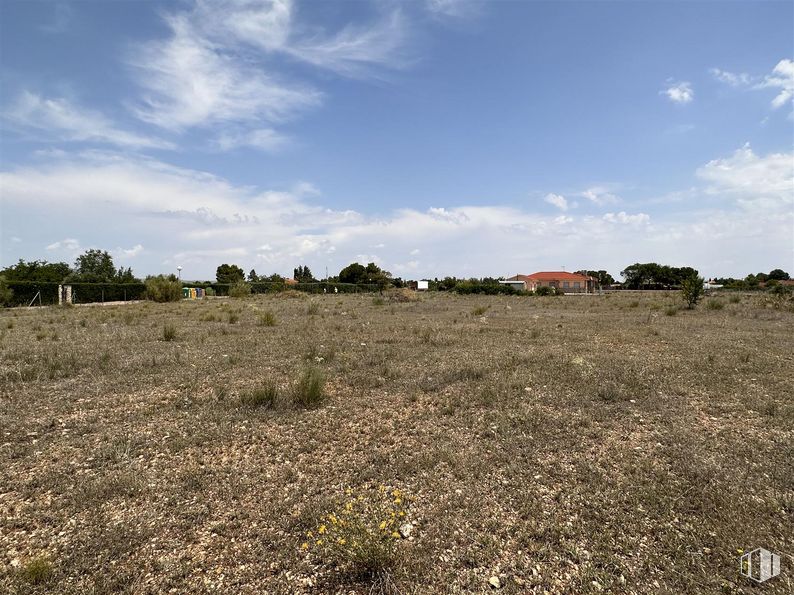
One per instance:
[(97, 266)]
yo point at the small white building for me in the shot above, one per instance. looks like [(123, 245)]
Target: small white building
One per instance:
[(423, 285)]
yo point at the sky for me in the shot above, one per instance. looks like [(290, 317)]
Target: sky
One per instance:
[(432, 137)]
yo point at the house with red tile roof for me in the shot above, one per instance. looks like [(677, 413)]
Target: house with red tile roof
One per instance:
[(567, 282)]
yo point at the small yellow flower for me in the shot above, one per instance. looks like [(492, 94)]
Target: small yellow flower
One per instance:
[(310, 534), (332, 518), (398, 501), (342, 541), (321, 529), (319, 542), (383, 525), (349, 506), (395, 535), (304, 546), (402, 513)]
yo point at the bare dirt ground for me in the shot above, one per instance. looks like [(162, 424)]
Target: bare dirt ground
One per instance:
[(534, 445)]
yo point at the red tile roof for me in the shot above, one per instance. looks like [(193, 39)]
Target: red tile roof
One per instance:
[(557, 275), (551, 276)]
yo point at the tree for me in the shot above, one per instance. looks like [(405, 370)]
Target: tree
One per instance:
[(640, 275), (353, 273), (377, 276), (303, 274), (37, 270), (778, 275), (94, 266), (252, 276), (6, 293), (125, 275), (229, 273), (163, 288), (601, 276), (692, 290)]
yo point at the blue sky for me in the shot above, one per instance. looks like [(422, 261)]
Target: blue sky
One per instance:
[(434, 137)]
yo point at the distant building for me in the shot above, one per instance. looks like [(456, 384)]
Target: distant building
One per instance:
[(567, 282)]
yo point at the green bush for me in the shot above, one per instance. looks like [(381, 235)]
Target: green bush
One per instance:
[(262, 397), (692, 290), (266, 319), (37, 571), (163, 288), (735, 299), (6, 293), (715, 304), (309, 390), (671, 310), (240, 289), (169, 332), (545, 290)]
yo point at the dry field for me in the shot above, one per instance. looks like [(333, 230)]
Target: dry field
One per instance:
[(577, 444)]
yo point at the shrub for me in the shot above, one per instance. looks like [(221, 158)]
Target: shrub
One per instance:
[(692, 290), (313, 308), (37, 571), (233, 317), (671, 310), (6, 293), (479, 310), (240, 289), (544, 290), (163, 288), (169, 332), (266, 319), (308, 391), (714, 304), (262, 397), (378, 301), (735, 299), (401, 295), (361, 534)]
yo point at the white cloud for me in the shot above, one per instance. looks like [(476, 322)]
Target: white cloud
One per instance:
[(679, 92), (782, 78), (356, 49), (265, 139), (764, 182), (197, 220), (67, 244), (218, 66), (731, 78), (60, 119), (557, 200), (625, 219), (128, 252), (192, 81), (599, 195)]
